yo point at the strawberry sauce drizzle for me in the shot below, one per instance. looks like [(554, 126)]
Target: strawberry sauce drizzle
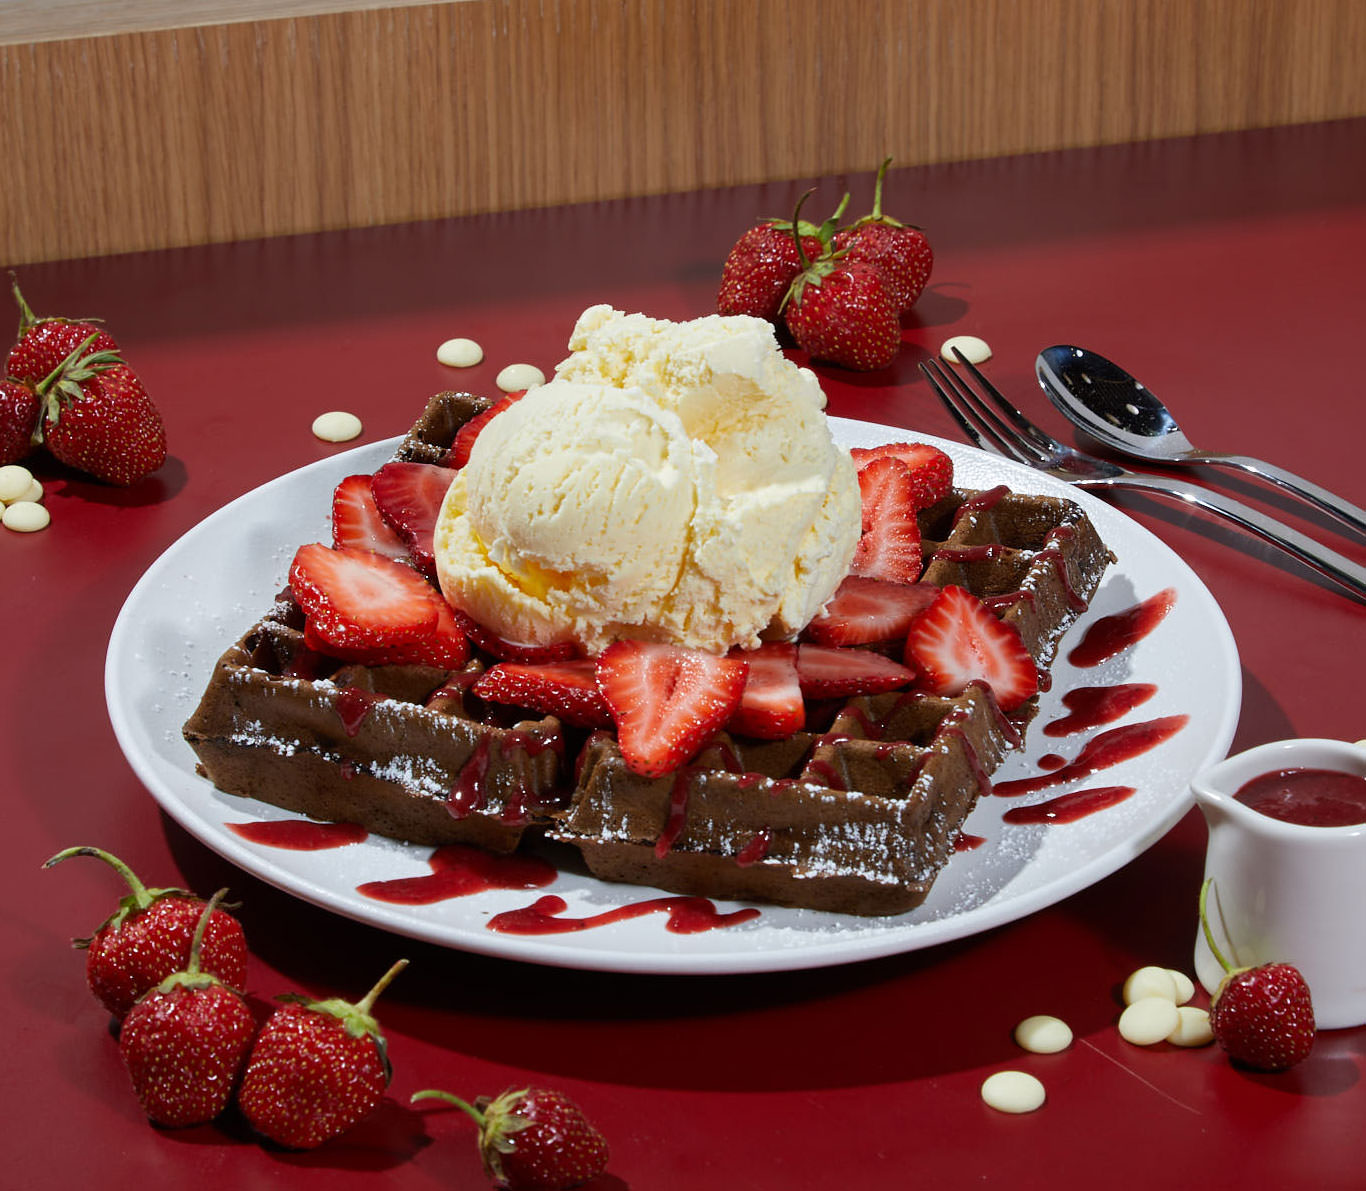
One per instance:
[(687, 916), (353, 705), (755, 849), (1068, 808), (1113, 634), (1109, 748), (1092, 706), (963, 842), (678, 814), (459, 870), (467, 794), (299, 835)]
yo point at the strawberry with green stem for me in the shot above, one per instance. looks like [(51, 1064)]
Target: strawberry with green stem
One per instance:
[(42, 343), (839, 311), (532, 1139), (1262, 1016), (763, 262), (148, 938), (185, 1040), (899, 251), (317, 1068)]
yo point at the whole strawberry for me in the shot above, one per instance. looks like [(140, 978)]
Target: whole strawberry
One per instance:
[(98, 418), (185, 1041), (43, 343), (148, 938), (900, 252), (532, 1139), (764, 261), (316, 1069), (19, 412), (1263, 1017), (839, 311)]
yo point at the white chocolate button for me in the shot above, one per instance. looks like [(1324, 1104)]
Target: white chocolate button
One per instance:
[(1149, 1020), (1151, 981), (34, 493), (1185, 986), (977, 351), (459, 353), (336, 426), (15, 480), (520, 376), (1013, 1091), (25, 516), (1043, 1035), (1192, 1028)]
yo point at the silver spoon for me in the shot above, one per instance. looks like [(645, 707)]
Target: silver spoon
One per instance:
[(1117, 410)]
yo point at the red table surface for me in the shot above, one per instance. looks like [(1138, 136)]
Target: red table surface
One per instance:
[(1226, 271)]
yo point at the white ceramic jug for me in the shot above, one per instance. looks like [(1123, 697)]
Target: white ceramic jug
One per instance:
[(1282, 891)]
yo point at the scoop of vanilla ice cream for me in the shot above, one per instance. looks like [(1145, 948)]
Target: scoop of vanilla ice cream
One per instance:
[(673, 481)]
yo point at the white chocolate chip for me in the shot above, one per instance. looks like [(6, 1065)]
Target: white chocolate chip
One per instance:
[(459, 353), (520, 376), (1192, 1027), (25, 516), (34, 493), (336, 426), (1043, 1035), (1013, 1091), (975, 350), (1185, 986), (1149, 1020), (15, 481), (1151, 981)]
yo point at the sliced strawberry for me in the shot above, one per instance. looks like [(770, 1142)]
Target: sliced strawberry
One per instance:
[(565, 689), (959, 640), (827, 672), (459, 454), (359, 599), (445, 647), (866, 611), (771, 706), (667, 701), (890, 546), (356, 521), (513, 651), (931, 469), (409, 496)]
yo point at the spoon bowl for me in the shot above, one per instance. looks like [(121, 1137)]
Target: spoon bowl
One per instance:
[(1117, 410)]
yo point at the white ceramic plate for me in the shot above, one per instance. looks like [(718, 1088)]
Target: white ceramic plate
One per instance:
[(208, 587)]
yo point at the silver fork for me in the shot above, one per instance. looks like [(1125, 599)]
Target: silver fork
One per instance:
[(996, 425)]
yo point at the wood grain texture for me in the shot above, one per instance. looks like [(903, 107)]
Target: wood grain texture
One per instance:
[(220, 132)]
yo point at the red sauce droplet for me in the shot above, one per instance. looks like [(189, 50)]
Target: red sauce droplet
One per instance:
[(687, 916), (1068, 808), (459, 870), (1051, 761), (1310, 797), (755, 849), (1113, 634), (963, 842), (1091, 706), (1109, 748), (299, 835), (353, 705)]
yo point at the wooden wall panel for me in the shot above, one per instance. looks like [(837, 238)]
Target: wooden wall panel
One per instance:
[(193, 135)]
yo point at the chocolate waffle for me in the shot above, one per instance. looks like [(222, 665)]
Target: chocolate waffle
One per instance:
[(857, 814)]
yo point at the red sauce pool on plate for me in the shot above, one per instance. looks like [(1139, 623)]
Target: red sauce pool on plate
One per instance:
[(1310, 797), (299, 835)]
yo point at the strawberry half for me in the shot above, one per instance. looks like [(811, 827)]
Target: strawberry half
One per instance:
[(826, 672), (889, 548), (958, 640), (667, 701), (356, 599), (445, 647), (771, 706), (356, 520), (459, 454), (866, 611), (931, 470), (567, 689), (409, 496)]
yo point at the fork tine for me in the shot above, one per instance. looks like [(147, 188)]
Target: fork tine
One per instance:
[(1044, 442), (980, 423)]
